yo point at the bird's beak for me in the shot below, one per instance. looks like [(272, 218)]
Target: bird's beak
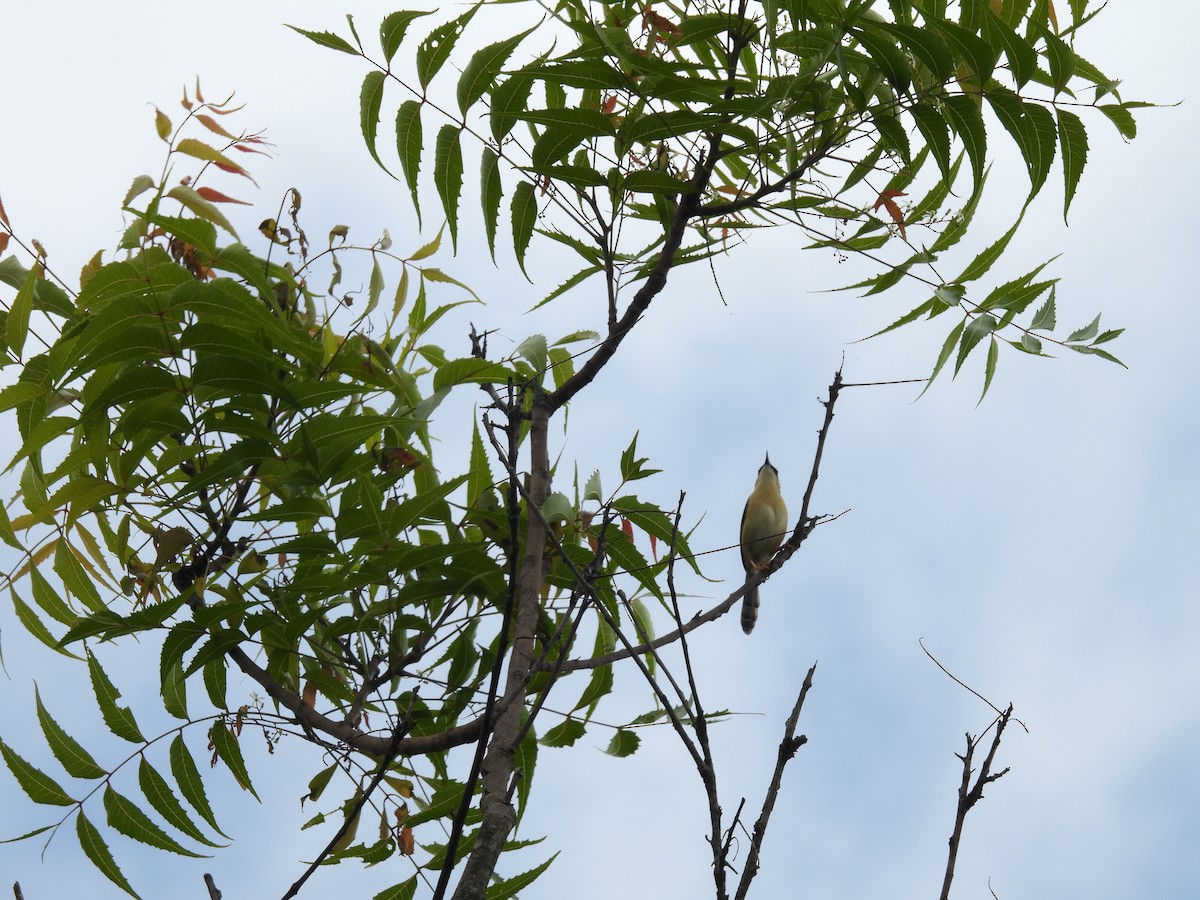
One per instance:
[(768, 460)]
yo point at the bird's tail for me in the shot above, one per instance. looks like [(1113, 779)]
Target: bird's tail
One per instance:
[(750, 609)]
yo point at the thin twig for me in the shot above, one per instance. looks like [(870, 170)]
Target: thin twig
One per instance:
[(787, 749), (969, 795)]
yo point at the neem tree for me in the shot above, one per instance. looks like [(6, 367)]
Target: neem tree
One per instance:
[(217, 455)]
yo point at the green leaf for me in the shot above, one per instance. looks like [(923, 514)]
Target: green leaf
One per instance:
[(1072, 138), (434, 50), (623, 743), (564, 734), (405, 891), (482, 69), (947, 348), (925, 45), (1022, 57), (228, 749), (34, 625), (967, 121), (980, 265), (936, 132), (77, 581), (125, 817), (491, 191), (409, 146), (77, 762), (119, 719), (97, 851), (508, 101), (503, 890), (598, 686), (205, 209), (187, 776), (166, 804), (1045, 319), (393, 29), (448, 175), (470, 370), (1120, 116), (370, 101), (18, 312), (968, 47), (39, 786), (48, 599), (979, 328), (327, 39), (1031, 128), (990, 370), (174, 691), (524, 212), (1087, 332)]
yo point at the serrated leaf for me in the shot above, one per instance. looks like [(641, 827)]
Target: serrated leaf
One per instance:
[(230, 752), (1045, 319), (980, 265), (979, 328), (174, 691), (967, 121), (393, 28), (202, 151), (503, 890), (936, 132), (448, 175), (160, 796), (370, 101), (405, 891), (187, 776), (77, 762), (1119, 115), (201, 207), (37, 785), (491, 191), (125, 817), (524, 212), (990, 369), (97, 851), (434, 50), (409, 145), (623, 743), (119, 719), (947, 348), (481, 70), (34, 625), (564, 734), (508, 102), (20, 309), (1087, 332), (327, 39), (1073, 146)]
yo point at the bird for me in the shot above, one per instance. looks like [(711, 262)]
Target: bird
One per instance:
[(764, 523)]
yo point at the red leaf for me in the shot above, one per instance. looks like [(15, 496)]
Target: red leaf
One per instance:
[(217, 197), (887, 201), (609, 105), (627, 527), (212, 125)]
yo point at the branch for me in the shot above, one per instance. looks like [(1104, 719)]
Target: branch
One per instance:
[(803, 528), (969, 795), (787, 749)]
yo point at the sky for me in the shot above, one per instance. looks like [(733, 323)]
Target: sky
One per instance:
[(1041, 544)]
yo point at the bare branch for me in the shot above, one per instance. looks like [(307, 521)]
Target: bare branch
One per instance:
[(787, 749)]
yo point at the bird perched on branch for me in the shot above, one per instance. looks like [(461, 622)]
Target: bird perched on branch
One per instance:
[(764, 523)]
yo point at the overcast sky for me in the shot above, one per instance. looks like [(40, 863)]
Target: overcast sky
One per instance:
[(1043, 544)]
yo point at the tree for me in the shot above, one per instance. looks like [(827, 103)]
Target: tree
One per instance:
[(219, 455)]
